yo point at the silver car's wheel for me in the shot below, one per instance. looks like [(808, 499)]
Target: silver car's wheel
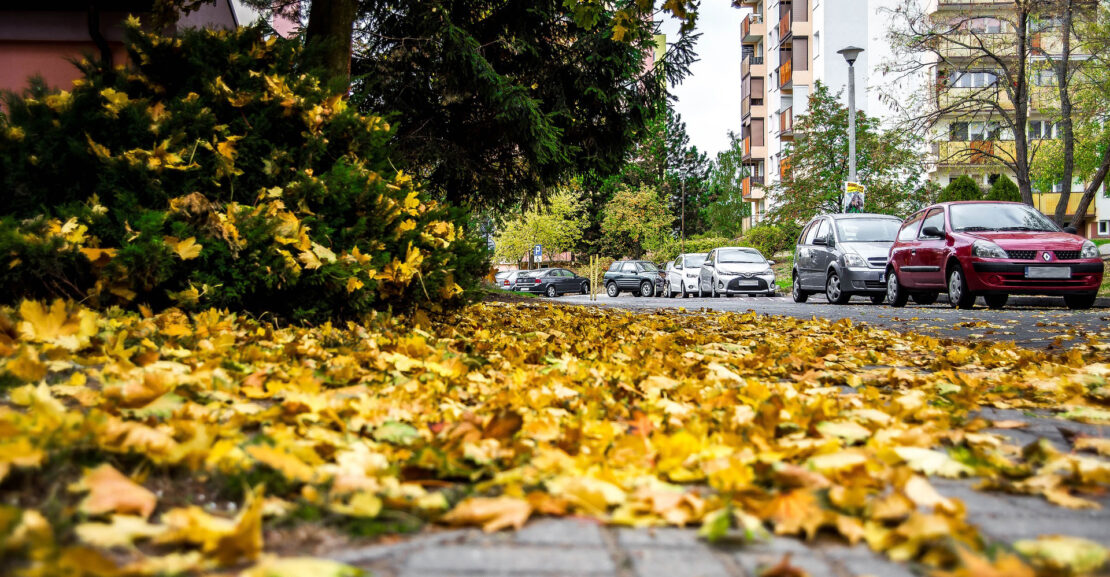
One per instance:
[(800, 296), (834, 292)]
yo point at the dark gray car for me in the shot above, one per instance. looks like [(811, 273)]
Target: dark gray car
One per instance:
[(843, 255)]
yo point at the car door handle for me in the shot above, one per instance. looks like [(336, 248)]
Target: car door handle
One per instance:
[(913, 251)]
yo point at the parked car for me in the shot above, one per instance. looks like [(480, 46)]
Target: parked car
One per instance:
[(736, 270), (843, 255), (640, 277), (682, 275), (993, 250), (551, 282), (508, 281)]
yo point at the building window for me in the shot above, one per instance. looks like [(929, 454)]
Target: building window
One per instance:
[(973, 79), (957, 131), (983, 25), (1058, 187), (816, 45), (1103, 227), (1042, 129), (992, 178), (1044, 77)]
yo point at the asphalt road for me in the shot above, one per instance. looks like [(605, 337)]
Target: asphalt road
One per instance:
[(1037, 322)]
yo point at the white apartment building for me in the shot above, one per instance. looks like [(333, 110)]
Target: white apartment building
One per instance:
[(788, 45)]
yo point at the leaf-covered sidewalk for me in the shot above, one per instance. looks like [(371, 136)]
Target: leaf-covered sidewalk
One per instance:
[(138, 444)]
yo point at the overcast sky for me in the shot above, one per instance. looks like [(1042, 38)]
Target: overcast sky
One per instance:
[(709, 99)]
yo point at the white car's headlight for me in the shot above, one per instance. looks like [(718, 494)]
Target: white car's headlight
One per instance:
[(987, 249), (854, 260), (1089, 250)]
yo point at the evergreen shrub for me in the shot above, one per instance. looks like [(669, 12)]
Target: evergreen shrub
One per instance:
[(213, 172)]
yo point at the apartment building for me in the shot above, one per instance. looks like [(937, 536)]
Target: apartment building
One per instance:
[(787, 46), (968, 139)]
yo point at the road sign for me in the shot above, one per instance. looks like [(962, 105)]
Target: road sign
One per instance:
[(537, 251)]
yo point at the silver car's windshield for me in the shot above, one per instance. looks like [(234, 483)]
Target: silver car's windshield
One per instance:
[(992, 216), (737, 255), (867, 229), (694, 260)]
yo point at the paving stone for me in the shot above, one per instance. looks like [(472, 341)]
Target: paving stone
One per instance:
[(568, 532), (658, 537), (506, 560), (860, 561), (1010, 529), (671, 562)]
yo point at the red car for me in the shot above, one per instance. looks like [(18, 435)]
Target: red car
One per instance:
[(989, 249)]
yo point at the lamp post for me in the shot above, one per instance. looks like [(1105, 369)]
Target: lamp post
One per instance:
[(850, 54)]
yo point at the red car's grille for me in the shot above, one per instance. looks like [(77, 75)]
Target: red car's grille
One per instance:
[(1067, 254), (1022, 254)]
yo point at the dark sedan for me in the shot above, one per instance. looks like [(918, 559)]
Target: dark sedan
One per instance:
[(551, 282)]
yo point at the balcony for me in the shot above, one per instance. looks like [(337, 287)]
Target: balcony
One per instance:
[(752, 66), (786, 76), (973, 152), (971, 99), (752, 107), (785, 32), (752, 188), (784, 168), (969, 3), (752, 28), (786, 123), (751, 150)]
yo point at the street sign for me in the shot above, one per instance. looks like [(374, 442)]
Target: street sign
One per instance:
[(537, 251), (854, 195)]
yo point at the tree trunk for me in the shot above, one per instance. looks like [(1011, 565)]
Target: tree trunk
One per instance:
[(1063, 81), (1020, 98), (328, 39), (1091, 190)]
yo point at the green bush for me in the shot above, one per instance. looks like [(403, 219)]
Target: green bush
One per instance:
[(1004, 189), (672, 248), (962, 187), (771, 239), (212, 173)]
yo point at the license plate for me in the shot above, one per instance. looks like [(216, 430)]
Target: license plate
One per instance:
[(1048, 272), (747, 283)]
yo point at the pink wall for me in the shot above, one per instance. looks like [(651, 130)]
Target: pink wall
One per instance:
[(45, 42)]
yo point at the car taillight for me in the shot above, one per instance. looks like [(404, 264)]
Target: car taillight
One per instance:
[(537, 281), (506, 283)]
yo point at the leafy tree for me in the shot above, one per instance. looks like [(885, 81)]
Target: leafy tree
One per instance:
[(962, 187), (888, 164), (1004, 189), (499, 101), (635, 221), (726, 207), (556, 225)]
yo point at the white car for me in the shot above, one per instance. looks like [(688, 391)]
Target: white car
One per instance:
[(736, 270), (682, 275), (506, 280)]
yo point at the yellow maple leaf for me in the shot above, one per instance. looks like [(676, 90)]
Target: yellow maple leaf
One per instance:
[(66, 326), (112, 492), (493, 514), (185, 249)]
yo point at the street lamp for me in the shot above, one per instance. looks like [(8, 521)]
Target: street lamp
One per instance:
[(850, 54)]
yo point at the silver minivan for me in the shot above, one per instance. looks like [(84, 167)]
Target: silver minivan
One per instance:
[(843, 255), (733, 270)]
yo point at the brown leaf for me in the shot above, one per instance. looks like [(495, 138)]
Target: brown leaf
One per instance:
[(111, 492), (493, 514), (503, 426)]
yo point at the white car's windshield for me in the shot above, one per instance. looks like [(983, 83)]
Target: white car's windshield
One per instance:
[(737, 255), (996, 216), (867, 229), (694, 260)]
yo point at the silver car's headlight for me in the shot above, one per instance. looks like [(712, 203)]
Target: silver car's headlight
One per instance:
[(1089, 250), (987, 249), (854, 260)]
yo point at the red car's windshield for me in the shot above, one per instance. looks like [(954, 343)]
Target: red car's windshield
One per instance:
[(992, 216)]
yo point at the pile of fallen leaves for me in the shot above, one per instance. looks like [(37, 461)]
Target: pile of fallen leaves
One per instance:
[(145, 443)]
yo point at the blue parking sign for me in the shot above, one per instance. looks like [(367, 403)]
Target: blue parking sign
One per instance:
[(537, 250)]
